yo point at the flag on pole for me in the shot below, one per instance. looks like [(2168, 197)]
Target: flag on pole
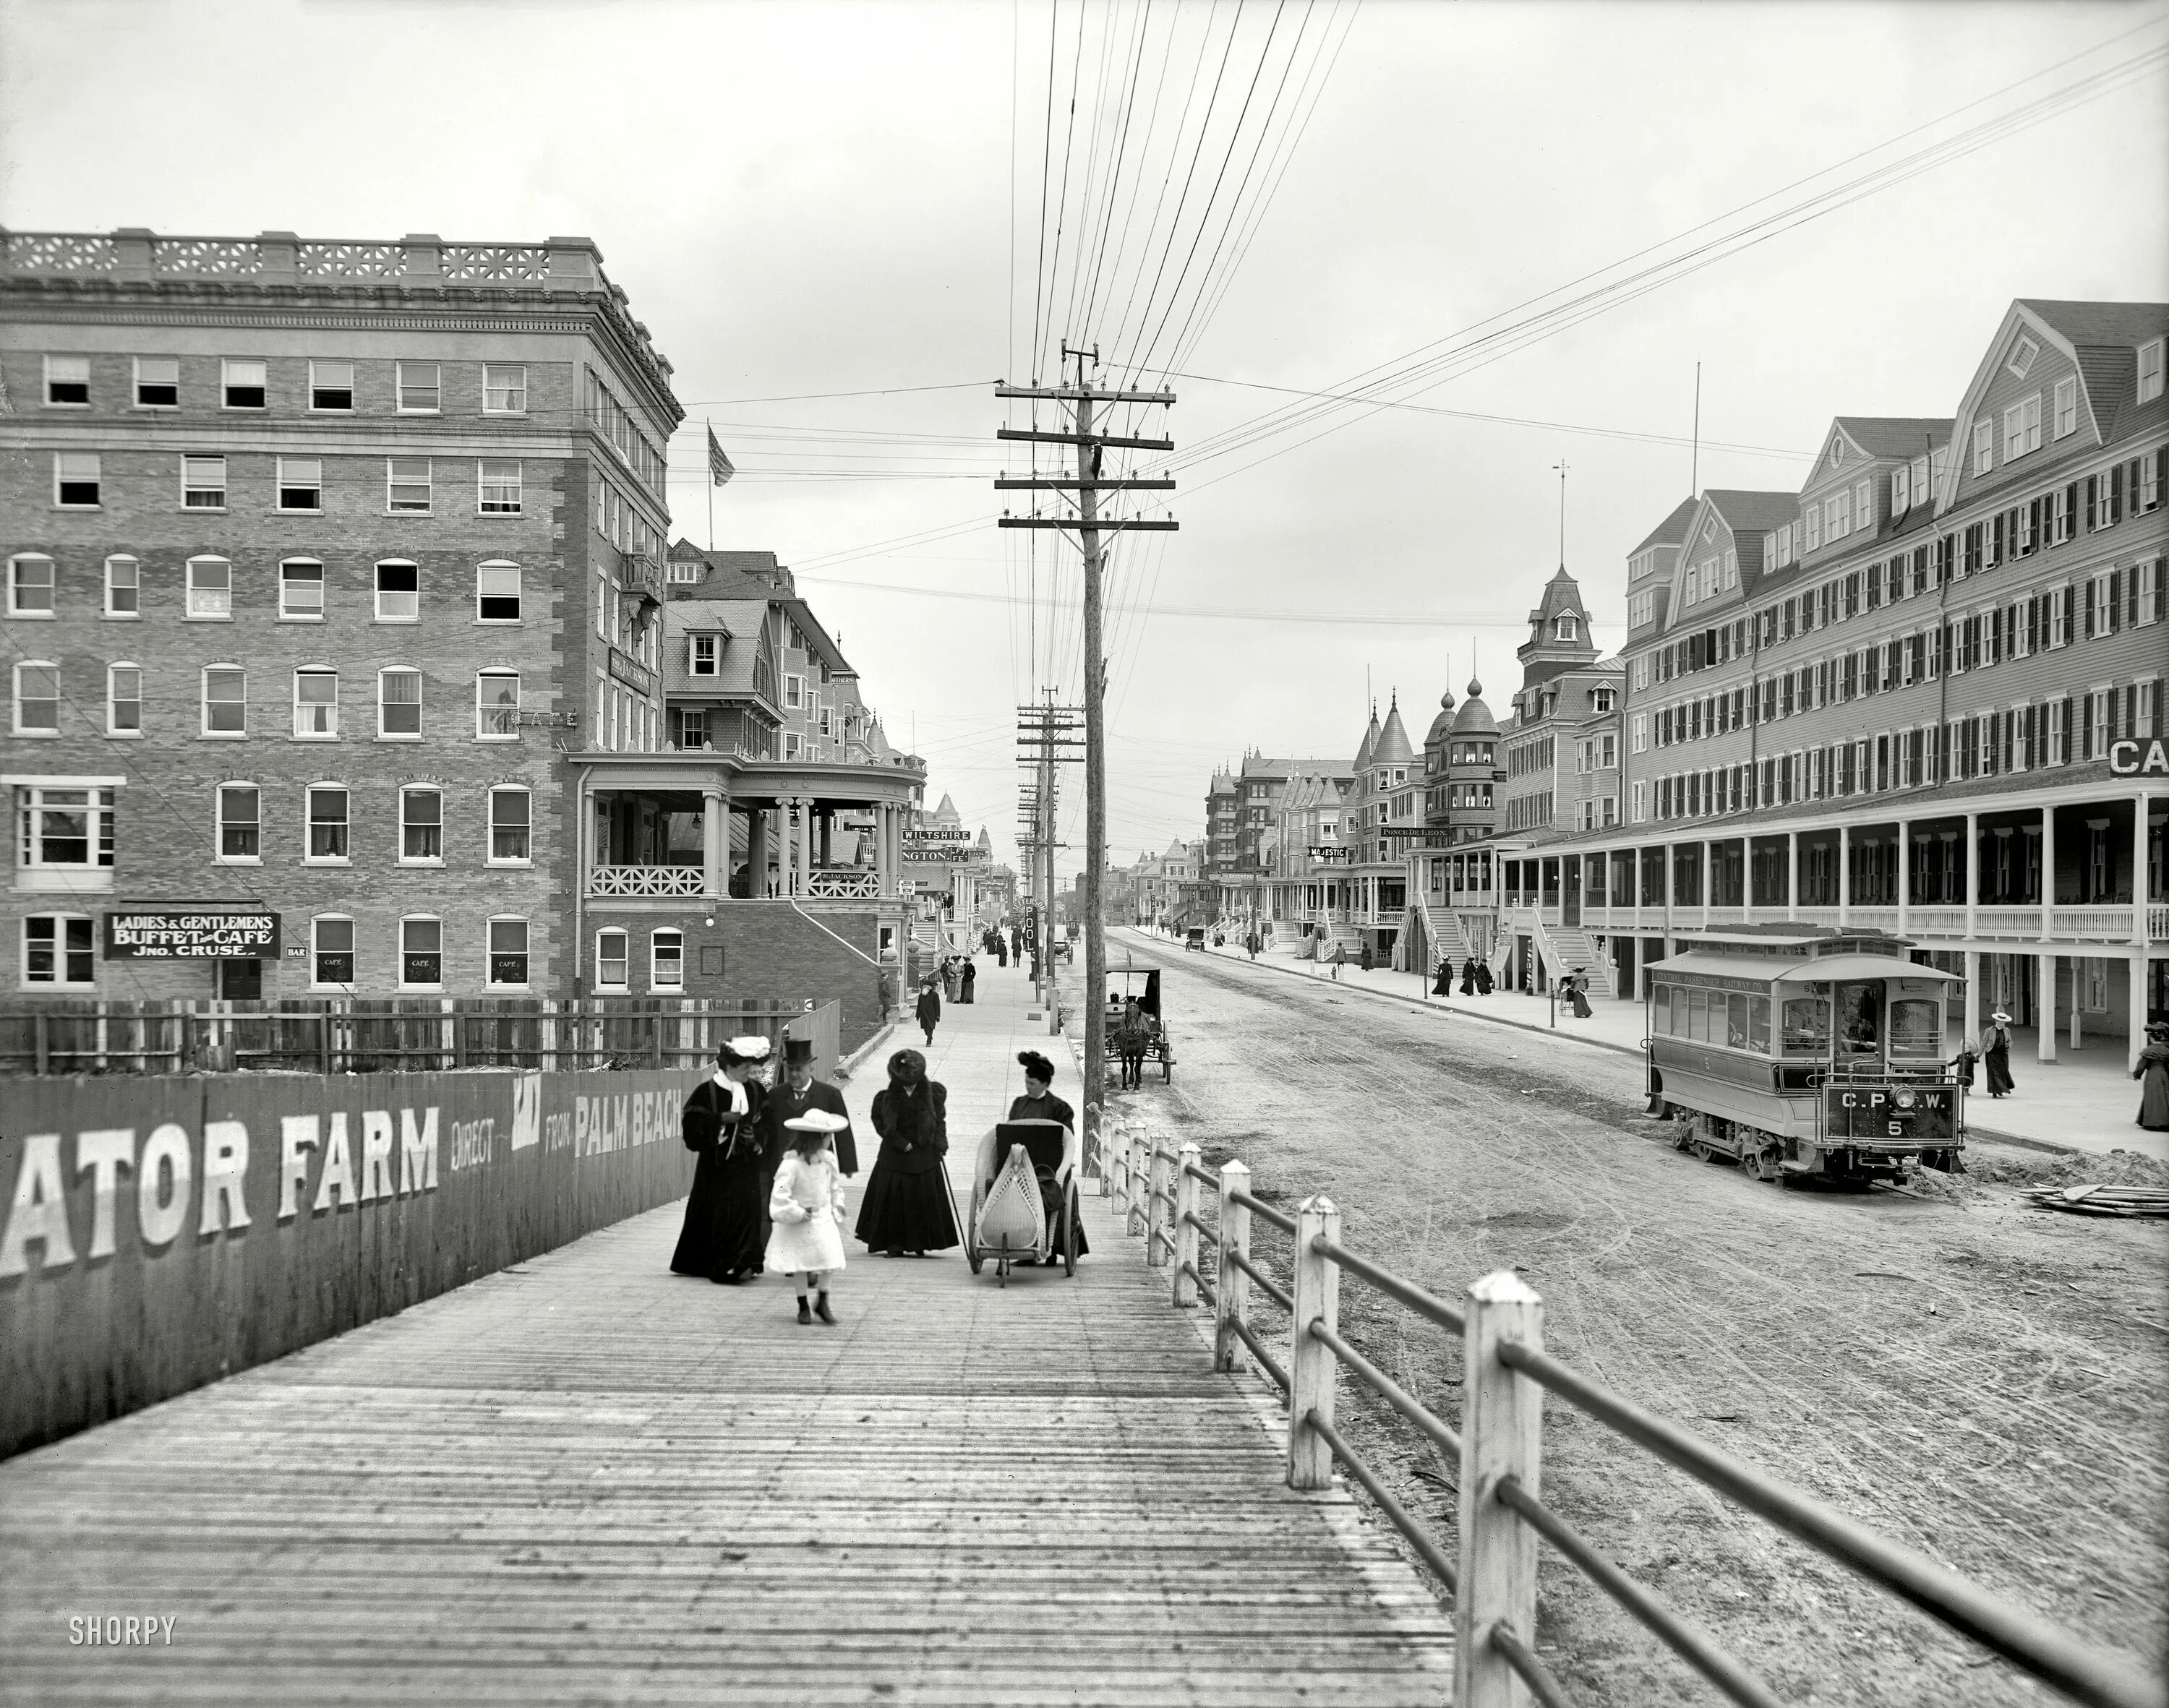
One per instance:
[(719, 465)]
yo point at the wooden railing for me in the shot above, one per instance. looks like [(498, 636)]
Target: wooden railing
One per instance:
[(1506, 1375)]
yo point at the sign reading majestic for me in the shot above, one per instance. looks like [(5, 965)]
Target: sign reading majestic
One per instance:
[(164, 933)]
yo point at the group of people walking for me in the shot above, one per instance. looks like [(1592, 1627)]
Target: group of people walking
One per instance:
[(1475, 978)]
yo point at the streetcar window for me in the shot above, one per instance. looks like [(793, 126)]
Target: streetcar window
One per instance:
[(1758, 1024), (1807, 1025), (1736, 1022), (1915, 1028), (1698, 1015), (1860, 1018), (1661, 1021)]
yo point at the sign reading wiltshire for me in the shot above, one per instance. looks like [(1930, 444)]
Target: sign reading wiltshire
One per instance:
[(167, 934)]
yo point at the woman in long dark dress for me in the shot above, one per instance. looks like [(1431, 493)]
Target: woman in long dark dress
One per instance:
[(907, 1207), (1468, 976), (1441, 983), (726, 1228), (1040, 1103), (2153, 1075), (1483, 978), (1996, 1055), (1575, 994)]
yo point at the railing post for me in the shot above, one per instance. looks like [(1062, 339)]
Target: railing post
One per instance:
[(1231, 1286), (1133, 1220), (1313, 1373), (1156, 1213), (1183, 1288), (1502, 1436)]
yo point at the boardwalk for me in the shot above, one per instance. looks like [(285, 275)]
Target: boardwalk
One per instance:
[(588, 1480)]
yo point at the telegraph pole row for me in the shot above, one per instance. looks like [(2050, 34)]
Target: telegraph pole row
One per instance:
[(1091, 480), (1045, 737)]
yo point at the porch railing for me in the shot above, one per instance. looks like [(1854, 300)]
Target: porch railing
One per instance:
[(1162, 1195), (647, 881), (843, 883)]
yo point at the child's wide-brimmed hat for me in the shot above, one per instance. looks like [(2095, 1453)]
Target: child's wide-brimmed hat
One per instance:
[(817, 1120), (2001, 1017)]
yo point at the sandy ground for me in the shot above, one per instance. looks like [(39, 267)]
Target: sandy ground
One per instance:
[(1982, 1379)]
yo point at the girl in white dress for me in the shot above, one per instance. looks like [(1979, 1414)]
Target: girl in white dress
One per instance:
[(806, 1207)]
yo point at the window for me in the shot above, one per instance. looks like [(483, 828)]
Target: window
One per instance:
[(497, 593), (2022, 355), (421, 954), (399, 704), (124, 587), (500, 486), (693, 727), (497, 706), (406, 491), (328, 824), (203, 483), (209, 588), (37, 698), (1863, 504), (613, 955), (2067, 405), (2022, 428), (58, 951), (2149, 371), (1564, 629), (76, 479), (301, 590), (1984, 445), (504, 389), (224, 700), (244, 384), (1601, 700), (301, 483), (30, 582), (157, 382), (124, 700), (421, 827), (419, 393), (69, 830), (666, 960), (510, 840), (684, 572), (68, 381), (793, 745), (240, 827), (316, 704), (704, 655), (398, 593), (331, 949), (507, 952), (331, 385)]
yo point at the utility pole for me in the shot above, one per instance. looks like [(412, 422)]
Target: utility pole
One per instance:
[(1046, 735), (1090, 481)]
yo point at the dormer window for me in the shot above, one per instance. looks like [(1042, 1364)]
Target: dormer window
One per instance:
[(703, 653), (2149, 371), (1901, 481), (2022, 355), (1565, 629), (1601, 700)]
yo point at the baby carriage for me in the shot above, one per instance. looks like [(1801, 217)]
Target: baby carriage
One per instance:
[(1012, 1189)]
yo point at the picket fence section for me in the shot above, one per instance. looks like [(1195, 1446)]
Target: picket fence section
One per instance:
[(1162, 1194)]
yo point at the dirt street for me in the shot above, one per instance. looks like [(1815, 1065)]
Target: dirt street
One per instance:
[(1984, 1380)]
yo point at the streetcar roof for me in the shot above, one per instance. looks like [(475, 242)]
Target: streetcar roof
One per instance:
[(1859, 966), (1761, 968)]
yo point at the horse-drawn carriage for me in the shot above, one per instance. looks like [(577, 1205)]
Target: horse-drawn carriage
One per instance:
[(1126, 983)]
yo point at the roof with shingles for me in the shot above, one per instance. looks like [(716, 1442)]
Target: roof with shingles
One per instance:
[(738, 620), (1392, 748), (1754, 513), (1673, 530), (1896, 435)]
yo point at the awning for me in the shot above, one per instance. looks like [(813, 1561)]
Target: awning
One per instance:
[(1837, 967)]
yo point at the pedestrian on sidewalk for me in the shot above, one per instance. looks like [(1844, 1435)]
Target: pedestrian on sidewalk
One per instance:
[(1996, 1055), (965, 980), (1442, 981), (1364, 959), (1040, 1103), (1340, 959), (1574, 987), (805, 1207), (1468, 976), (907, 1207), (1016, 943), (725, 1214), (930, 1009), (1483, 978), (2153, 1075), (1251, 942), (797, 1092)]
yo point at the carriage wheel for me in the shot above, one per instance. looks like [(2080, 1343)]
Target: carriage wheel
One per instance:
[(1167, 1070), (972, 1254), (1070, 1231)]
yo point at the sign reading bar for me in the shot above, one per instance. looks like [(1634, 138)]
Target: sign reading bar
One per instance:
[(166, 933)]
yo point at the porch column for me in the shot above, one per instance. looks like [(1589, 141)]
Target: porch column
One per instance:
[(1904, 870), (1792, 875), (757, 852), (2139, 899), (1708, 878), (1970, 1022), (2047, 874), (804, 848), (1972, 876), (2134, 1006), (1671, 879), (1747, 879), (1844, 875), (2044, 1029), (715, 842)]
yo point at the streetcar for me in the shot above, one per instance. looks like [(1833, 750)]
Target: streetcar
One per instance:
[(1796, 1050)]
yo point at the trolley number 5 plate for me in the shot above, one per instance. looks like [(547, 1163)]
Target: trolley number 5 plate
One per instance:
[(1903, 1112)]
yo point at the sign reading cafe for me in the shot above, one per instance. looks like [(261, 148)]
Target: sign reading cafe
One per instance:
[(167, 933)]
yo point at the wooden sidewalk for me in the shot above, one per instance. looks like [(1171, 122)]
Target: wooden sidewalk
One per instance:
[(587, 1480)]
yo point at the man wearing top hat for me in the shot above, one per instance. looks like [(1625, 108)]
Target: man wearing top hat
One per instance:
[(798, 1092)]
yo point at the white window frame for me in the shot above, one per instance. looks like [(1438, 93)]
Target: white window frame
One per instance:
[(138, 382), (52, 585), (207, 611), (490, 675), (80, 460), (402, 857), (401, 951), (396, 506), (315, 671), (434, 388), (490, 951), (655, 980), (219, 820), (94, 871), (794, 692), (2151, 356), (295, 614), (279, 492), (2022, 428), (232, 371), (482, 571), (1565, 628), (196, 477), (377, 589), (382, 704), (136, 566), (713, 644), (77, 373), (317, 952), (310, 857), (60, 980), (1983, 445), (16, 699), (112, 704), (484, 485), (316, 384), (204, 703), (2066, 407), (491, 857), (624, 958), (793, 744), (489, 370)]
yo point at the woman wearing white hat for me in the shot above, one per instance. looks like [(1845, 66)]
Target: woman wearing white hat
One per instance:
[(1996, 1053), (726, 1218)]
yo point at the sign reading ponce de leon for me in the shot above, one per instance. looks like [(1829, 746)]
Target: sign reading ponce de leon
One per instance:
[(169, 933)]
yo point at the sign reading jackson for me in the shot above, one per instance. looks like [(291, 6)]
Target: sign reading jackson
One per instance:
[(167, 933)]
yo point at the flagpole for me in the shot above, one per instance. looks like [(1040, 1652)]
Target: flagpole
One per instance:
[(711, 426)]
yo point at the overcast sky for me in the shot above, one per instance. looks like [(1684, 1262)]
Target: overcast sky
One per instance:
[(806, 198)]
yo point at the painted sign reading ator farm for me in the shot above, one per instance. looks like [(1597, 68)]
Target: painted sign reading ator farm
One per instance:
[(167, 934), (158, 1233)]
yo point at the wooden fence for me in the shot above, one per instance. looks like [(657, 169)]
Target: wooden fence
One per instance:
[(1161, 1195), (425, 1034)]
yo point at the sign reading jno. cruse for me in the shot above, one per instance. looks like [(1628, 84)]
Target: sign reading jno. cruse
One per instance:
[(165, 934)]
